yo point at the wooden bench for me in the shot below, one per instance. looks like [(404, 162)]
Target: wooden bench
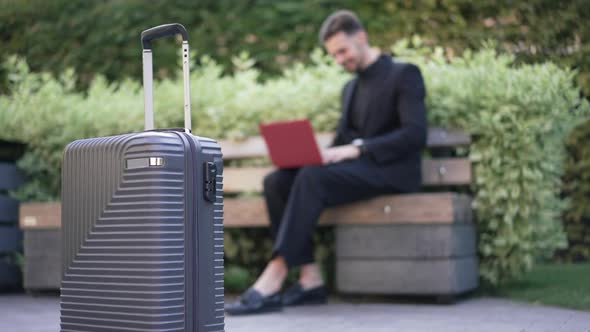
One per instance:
[(421, 243)]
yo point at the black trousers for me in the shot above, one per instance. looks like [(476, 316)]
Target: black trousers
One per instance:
[(295, 199)]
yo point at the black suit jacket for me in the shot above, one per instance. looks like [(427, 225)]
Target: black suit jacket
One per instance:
[(395, 126)]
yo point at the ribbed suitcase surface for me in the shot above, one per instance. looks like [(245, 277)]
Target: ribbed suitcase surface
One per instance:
[(143, 250)]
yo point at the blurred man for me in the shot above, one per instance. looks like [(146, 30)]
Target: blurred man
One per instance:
[(377, 150)]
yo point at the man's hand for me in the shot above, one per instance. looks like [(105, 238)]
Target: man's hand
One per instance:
[(340, 153)]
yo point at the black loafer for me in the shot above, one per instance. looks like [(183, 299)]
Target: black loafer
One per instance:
[(252, 302), (296, 295)]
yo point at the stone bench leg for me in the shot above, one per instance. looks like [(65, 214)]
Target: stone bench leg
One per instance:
[(42, 270), (410, 259)]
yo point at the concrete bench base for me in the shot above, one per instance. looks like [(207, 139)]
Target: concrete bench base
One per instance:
[(42, 269), (407, 277), (405, 241), (406, 259)]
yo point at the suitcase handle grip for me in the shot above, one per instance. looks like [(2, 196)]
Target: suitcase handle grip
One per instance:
[(147, 37), (162, 31)]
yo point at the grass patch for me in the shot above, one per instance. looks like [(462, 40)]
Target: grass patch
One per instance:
[(562, 285)]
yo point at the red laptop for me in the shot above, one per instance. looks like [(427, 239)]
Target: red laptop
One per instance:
[(291, 144)]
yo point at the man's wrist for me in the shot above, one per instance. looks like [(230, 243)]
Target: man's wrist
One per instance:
[(360, 144)]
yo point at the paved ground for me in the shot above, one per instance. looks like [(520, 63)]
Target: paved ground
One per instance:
[(41, 314)]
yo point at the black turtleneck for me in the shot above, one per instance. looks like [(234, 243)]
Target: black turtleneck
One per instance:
[(369, 79)]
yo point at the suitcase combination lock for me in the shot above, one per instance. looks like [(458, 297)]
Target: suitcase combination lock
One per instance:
[(210, 189)]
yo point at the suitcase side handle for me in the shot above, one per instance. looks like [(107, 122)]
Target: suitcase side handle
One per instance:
[(147, 37)]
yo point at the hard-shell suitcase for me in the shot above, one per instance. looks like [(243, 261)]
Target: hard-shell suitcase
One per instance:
[(142, 218)]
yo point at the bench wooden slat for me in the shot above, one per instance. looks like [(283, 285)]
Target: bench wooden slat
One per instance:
[(422, 208), (446, 171), (427, 208), (440, 138), (437, 208), (40, 215), (254, 147), (244, 179), (435, 172)]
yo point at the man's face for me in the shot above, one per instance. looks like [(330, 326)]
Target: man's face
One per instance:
[(347, 50)]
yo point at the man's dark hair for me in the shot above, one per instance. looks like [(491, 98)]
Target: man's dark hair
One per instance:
[(340, 21)]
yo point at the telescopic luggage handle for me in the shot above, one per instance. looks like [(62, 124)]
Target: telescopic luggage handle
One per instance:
[(162, 31), (147, 36)]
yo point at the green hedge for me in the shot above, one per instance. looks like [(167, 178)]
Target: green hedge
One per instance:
[(576, 187), (46, 112), (519, 116), (103, 36)]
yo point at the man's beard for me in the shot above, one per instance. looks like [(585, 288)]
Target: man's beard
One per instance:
[(353, 66), (359, 64)]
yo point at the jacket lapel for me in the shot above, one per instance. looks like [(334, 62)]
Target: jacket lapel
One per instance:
[(347, 102)]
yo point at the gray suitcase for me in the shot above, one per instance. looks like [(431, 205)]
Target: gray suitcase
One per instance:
[(142, 218)]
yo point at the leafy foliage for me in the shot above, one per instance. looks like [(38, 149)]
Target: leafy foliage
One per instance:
[(58, 34), (576, 187), (519, 116), (46, 112)]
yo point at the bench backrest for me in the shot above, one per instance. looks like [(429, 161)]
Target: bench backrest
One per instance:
[(435, 171)]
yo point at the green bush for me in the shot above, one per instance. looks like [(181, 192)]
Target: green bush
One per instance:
[(518, 115), (576, 187), (103, 36), (46, 112)]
